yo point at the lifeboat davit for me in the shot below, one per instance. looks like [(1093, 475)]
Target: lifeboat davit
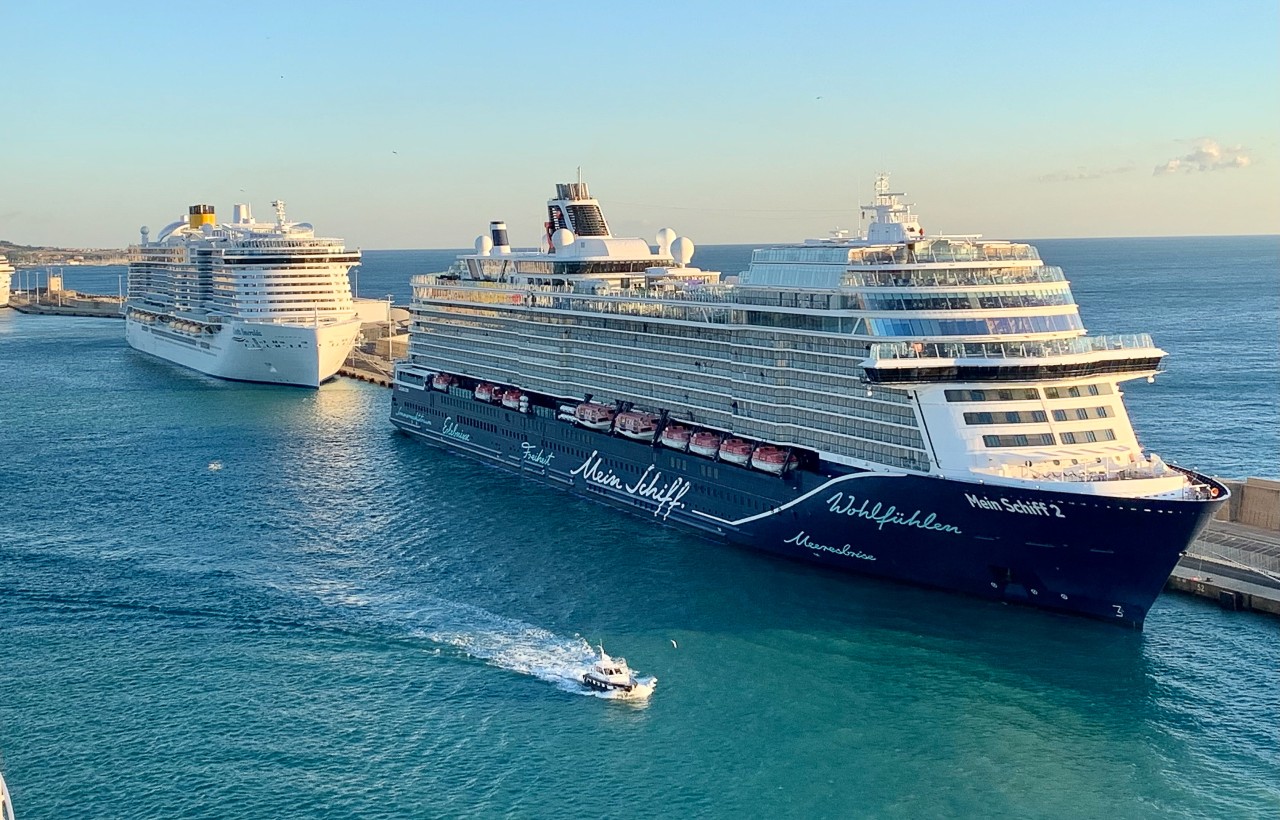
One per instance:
[(593, 416), (735, 451), (705, 444), (772, 459), (442, 381), (675, 437), (635, 425)]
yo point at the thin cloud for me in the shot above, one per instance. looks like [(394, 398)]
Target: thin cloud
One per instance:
[(1081, 172), (1207, 155)]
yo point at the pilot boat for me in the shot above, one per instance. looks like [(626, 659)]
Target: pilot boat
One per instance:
[(609, 674)]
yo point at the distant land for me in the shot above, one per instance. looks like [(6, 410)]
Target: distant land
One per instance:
[(31, 256)]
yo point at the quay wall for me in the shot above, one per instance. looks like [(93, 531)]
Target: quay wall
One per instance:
[(1255, 502)]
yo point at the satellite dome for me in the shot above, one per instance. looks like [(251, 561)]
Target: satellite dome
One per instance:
[(682, 251), (484, 244), (665, 237), (562, 238)]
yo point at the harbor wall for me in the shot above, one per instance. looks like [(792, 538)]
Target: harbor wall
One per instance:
[(1255, 502)]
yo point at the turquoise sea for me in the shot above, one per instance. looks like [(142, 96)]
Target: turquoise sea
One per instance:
[(341, 622)]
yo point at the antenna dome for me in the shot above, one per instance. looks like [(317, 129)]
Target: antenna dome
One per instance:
[(665, 237), (682, 250), (483, 244), (562, 238)]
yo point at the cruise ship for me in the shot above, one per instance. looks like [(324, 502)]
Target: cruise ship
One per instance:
[(248, 301), (917, 407), (6, 276)]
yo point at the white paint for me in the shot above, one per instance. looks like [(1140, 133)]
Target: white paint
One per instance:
[(665, 495), (535, 455), (878, 513), (801, 539), (451, 429)]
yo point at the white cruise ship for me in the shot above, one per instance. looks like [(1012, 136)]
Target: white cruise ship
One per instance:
[(919, 407), (6, 275), (249, 301)]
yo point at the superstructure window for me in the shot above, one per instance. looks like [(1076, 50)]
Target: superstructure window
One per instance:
[(1081, 413), (1088, 436), (1032, 440), (1074, 392), (1015, 417), (1011, 394), (995, 326)]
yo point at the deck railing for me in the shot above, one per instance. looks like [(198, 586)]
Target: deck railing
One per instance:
[(1049, 348)]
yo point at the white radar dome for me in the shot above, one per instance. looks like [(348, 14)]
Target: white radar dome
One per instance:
[(562, 238), (682, 251), (484, 245), (665, 237)]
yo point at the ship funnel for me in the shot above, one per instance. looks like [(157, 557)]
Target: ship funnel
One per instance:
[(241, 213), (198, 215), (498, 233)]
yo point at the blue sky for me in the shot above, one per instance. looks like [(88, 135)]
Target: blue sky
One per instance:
[(399, 125)]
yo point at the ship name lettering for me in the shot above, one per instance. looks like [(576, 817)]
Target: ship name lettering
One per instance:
[(880, 514), (1021, 507), (451, 429), (666, 495), (802, 539), (541, 457)]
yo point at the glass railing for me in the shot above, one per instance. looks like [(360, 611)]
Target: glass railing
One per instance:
[(952, 277), (939, 251), (1049, 348)]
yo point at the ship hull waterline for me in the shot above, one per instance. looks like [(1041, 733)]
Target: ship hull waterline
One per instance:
[(1101, 557), (297, 355)]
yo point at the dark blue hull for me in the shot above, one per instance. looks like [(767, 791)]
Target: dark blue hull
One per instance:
[(1101, 557)]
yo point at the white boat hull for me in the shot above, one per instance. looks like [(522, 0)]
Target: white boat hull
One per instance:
[(302, 355)]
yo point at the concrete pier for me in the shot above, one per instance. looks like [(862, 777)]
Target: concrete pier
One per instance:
[(378, 345), (1236, 560), (67, 303)]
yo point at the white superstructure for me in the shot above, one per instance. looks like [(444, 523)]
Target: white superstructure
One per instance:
[(895, 350), (6, 274), (250, 301)]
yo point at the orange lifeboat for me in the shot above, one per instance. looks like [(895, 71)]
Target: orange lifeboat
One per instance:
[(634, 425), (675, 437), (772, 459), (735, 451), (705, 444), (593, 416)]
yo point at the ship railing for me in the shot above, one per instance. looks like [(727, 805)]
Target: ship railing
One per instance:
[(1049, 348), (942, 251), (952, 277), (716, 294)]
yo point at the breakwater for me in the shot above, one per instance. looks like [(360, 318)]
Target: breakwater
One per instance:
[(68, 303)]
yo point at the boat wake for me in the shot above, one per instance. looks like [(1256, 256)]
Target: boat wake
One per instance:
[(526, 649), (472, 632)]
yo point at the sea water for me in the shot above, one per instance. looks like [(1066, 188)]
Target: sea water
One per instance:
[(336, 621)]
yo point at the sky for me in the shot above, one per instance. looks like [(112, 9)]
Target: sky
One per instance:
[(412, 124)]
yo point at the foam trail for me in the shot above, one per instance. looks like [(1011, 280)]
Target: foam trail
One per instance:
[(499, 641)]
